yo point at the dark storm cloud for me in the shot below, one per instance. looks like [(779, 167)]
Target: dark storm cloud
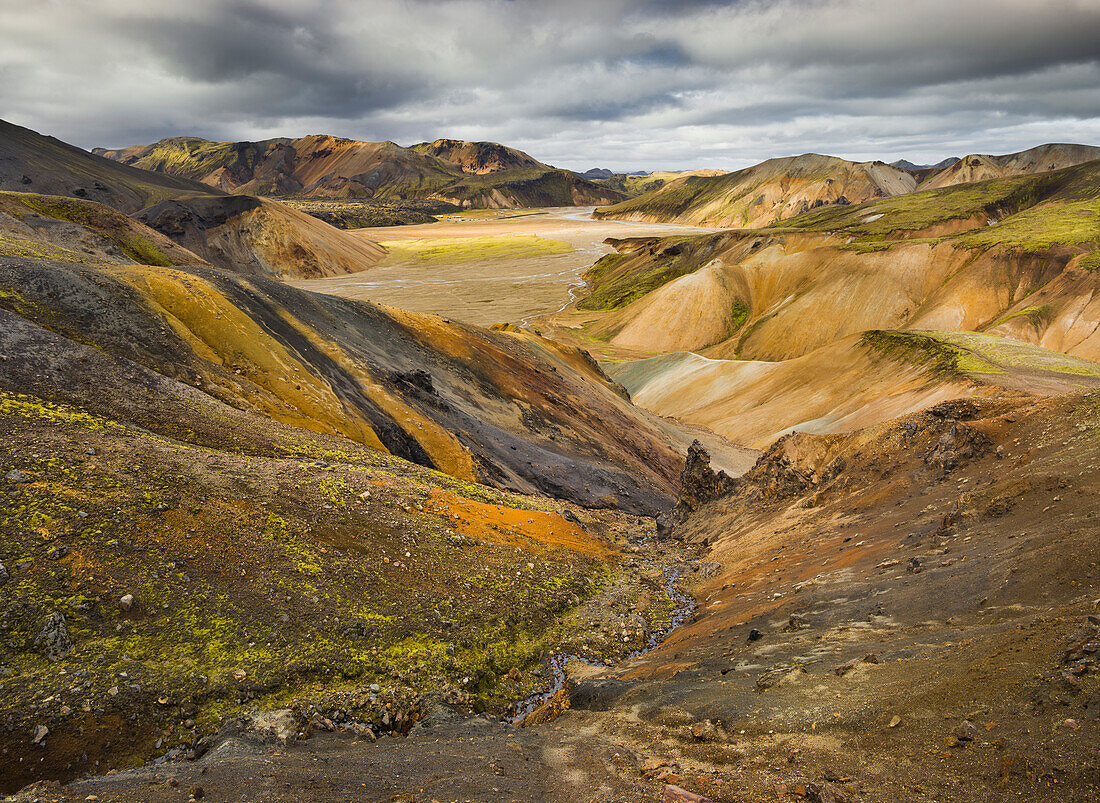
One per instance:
[(620, 83)]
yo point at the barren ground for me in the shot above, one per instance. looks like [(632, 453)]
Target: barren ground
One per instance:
[(502, 288)]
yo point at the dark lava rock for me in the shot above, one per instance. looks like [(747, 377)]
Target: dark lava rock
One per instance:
[(958, 444), (699, 484), (57, 552), (53, 640), (755, 635), (958, 409)]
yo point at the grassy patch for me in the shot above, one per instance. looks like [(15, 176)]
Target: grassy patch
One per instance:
[(465, 249)]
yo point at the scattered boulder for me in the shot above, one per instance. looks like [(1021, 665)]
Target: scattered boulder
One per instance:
[(53, 639), (18, 477), (755, 635), (4, 576), (126, 602), (707, 731), (39, 733), (709, 568)]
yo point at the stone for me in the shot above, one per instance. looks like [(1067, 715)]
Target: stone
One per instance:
[(278, 725), (707, 731), (197, 792), (18, 477), (796, 622), (676, 794), (39, 733), (53, 639), (126, 602), (825, 792), (894, 721), (57, 552), (965, 731), (755, 635), (4, 576)]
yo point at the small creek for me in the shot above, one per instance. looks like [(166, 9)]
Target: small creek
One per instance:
[(684, 608)]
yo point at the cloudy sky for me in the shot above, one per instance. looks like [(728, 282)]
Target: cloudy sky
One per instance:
[(578, 83)]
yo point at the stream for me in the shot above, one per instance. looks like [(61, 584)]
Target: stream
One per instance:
[(685, 607)]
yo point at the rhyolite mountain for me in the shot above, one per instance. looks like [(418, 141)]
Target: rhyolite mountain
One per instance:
[(778, 189), (468, 174)]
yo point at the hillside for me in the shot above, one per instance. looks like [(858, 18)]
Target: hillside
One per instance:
[(767, 192), (1008, 256), (259, 236), (508, 409), (482, 175), (479, 158), (75, 230), (980, 167), (857, 382), (33, 163), (195, 560)]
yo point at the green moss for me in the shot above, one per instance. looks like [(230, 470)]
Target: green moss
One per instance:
[(620, 279), (943, 359), (740, 314)]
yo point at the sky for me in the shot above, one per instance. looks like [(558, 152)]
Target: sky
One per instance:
[(623, 84)]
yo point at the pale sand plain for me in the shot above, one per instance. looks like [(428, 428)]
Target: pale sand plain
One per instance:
[(513, 280)]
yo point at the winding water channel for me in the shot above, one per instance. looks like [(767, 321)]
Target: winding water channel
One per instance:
[(684, 608)]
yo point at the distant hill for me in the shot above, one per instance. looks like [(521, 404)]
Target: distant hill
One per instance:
[(767, 192), (1041, 159), (640, 182), (905, 164), (468, 174), (479, 158), (34, 163)]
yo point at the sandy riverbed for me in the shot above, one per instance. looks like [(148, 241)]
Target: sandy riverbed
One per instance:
[(499, 289)]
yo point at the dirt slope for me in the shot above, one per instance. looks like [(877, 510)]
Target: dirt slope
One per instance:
[(320, 166), (238, 562), (897, 582), (905, 613), (509, 409), (848, 385), (31, 162), (260, 236), (773, 190)]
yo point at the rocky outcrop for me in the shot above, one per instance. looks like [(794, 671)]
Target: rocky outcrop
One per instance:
[(699, 484)]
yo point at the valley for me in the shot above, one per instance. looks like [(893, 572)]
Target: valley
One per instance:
[(506, 268), (773, 484)]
